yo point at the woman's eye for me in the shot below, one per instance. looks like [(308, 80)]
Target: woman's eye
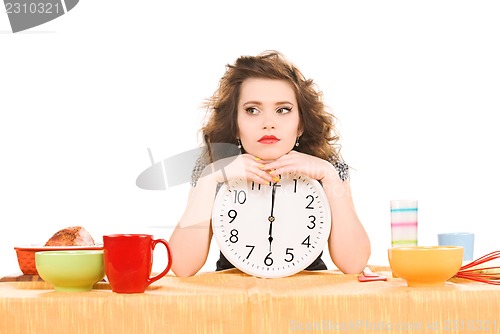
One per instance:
[(283, 110), (252, 111)]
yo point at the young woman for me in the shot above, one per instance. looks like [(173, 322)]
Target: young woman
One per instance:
[(277, 118)]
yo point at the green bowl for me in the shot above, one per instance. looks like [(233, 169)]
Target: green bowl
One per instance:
[(71, 271)]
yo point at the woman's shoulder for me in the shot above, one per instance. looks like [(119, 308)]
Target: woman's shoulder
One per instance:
[(341, 166), (197, 170)]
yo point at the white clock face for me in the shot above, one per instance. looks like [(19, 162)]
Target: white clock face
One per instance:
[(271, 240)]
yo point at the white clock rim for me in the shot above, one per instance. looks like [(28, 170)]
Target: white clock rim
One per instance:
[(296, 270)]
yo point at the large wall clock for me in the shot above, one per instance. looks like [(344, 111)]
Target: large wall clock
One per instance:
[(273, 230)]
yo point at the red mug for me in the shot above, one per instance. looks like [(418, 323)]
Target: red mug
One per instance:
[(128, 261)]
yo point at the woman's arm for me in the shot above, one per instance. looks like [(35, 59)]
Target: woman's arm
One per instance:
[(190, 240), (349, 244)]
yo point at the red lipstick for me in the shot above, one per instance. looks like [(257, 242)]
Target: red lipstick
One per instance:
[(268, 140)]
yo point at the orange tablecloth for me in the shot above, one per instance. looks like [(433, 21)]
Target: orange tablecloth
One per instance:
[(232, 302)]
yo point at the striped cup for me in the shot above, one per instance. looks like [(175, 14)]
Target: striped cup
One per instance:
[(404, 223)]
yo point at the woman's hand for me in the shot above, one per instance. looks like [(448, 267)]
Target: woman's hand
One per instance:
[(301, 163), (244, 166)]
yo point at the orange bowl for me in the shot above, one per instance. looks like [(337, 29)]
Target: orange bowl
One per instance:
[(426, 265), (26, 255)]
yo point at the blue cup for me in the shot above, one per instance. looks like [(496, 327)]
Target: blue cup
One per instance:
[(464, 239)]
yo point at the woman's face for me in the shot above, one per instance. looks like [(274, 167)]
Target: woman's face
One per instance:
[(268, 118)]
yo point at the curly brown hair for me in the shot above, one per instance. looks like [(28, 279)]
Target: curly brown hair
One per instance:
[(319, 137)]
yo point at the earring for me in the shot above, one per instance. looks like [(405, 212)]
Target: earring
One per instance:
[(239, 143), (297, 142)]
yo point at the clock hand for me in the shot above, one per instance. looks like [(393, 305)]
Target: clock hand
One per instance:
[(273, 195), (271, 217)]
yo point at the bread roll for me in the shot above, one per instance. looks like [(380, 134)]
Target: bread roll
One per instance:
[(71, 236)]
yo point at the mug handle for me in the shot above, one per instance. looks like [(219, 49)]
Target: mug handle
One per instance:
[(169, 264)]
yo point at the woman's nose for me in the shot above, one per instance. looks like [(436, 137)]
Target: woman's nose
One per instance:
[(269, 121)]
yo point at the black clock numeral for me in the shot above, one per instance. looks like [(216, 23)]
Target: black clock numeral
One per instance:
[(268, 261), (307, 241), (311, 202), (289, 252), (240, 196), (251, 250), (294, 185), (253, 186), (313, 219), (234, 236), (232, 214)]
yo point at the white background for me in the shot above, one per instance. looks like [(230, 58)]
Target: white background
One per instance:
[(415, 86)]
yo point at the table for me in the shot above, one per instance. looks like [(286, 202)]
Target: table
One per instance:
[(233, 302)]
